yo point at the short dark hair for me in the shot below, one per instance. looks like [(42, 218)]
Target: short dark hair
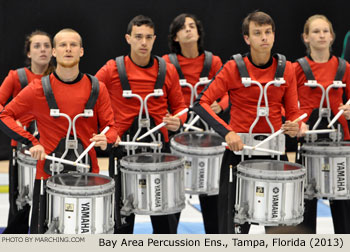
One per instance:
[(259, 17), (176, 25), (138, 21)]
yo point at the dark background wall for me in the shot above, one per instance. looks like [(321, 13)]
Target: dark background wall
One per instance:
[(102, 24)]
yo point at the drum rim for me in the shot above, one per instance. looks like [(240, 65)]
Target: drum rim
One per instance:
[(314, 147), (201, 151), (151, 167), (63, 188), (268, 173), (21, 157)]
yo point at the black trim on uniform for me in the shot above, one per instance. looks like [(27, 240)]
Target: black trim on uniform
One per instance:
[(14, 135)]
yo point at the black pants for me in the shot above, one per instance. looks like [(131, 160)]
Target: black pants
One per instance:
[(37, 224), (209, 208), (18, 220), (226, 201), (162, 224)]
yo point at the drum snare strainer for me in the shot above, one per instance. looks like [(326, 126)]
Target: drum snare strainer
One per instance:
[(152, 184), (203, 155), (269, 192), (80, 203)]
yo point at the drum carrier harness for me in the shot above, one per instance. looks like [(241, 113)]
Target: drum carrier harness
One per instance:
[(69, 148), (251, 139), (203, 80), (324, 114), (143, 123)]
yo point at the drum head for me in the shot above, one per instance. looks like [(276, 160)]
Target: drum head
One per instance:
[(80, 182), (145, 162), (206, 143), (271, 169), (337, 148)]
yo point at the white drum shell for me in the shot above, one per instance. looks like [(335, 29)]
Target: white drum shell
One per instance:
[(81, 209), (267, 194), (26, 176), (203, 156), (151, 185), (328, 170)]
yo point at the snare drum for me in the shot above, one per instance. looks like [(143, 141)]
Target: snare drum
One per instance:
[(26, 177), (270, 192), (203, 154), (152, 184), (328, 169), (80, 203)]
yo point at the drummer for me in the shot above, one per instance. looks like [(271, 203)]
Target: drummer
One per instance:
[(38, 50), (318, 37), (71, 90), (186, 45), (259, 33), (141, 71)]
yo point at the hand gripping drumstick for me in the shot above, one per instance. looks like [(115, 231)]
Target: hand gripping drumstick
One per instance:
[(278, 132), (337, 115), (61, 160), (161, 125), (91, 145), (247, 147)]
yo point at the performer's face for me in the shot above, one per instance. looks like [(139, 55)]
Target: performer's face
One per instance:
[(40, 51), (188, 33), (261, 38), (141, 40), (68, 49), (319, 36)]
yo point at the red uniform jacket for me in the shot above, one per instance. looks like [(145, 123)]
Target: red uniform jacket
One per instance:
[(191, 69), (244, 99), (324, 73), (11, 86), (142, 80), (71, 100)]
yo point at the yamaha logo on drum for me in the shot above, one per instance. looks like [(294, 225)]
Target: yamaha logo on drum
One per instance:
[(158, 192), (341, 176), (85, 217), (275, 202)]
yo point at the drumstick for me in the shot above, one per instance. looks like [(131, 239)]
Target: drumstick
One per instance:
[(321, 131), (189, 125), (337, 115), (121, 143), (61, 160), (247, 147), (192, 127), (91, 145), (278, 132), (161, 125)]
